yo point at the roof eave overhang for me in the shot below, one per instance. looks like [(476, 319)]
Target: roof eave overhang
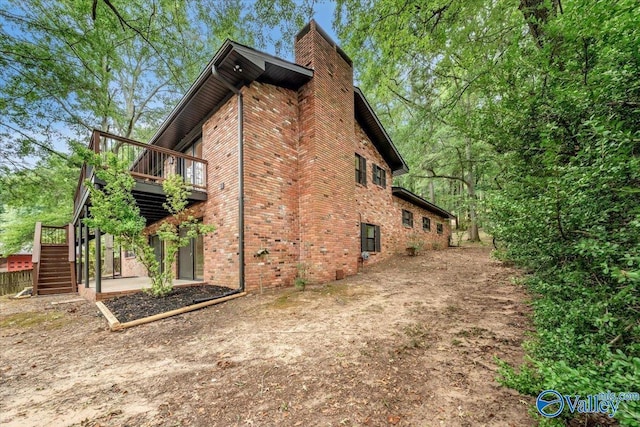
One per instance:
[(378, 135), (238, 64), (413, 198)]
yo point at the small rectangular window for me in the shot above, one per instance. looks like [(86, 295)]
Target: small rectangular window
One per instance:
[(407, 218), (369, 237), (440, 228), (361, 170), (379, 176), (426, 224)]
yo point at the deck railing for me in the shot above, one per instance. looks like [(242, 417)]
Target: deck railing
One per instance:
[(148, 163), (53, 235)]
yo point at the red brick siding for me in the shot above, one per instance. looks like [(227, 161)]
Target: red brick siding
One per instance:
[(220, 149), (374, 203), (328, 220), (131, 267), (377, 205), (403, 234), (271, 185)]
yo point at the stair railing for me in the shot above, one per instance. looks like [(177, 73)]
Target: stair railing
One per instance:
[(47, 235)]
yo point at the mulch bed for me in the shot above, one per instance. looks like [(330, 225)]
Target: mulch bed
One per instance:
[(136, 306)]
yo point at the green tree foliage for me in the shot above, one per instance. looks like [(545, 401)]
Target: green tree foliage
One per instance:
[(568, 124), (177, 231), (547, 94), (426, 65), (43, 193), (68, 72), (69, 67)]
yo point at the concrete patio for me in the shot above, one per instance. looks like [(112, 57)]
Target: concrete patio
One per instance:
[(113, 287)]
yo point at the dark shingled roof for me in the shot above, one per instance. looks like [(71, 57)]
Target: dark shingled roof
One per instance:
[(208, 94), (404, 194), (374, 130)]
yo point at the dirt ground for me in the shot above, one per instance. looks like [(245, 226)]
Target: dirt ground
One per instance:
[(409, 342)]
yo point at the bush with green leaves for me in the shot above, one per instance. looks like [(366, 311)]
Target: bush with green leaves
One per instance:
[(569, 208), (114, 211)]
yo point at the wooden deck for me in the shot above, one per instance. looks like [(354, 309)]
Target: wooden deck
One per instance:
[(121, 286)]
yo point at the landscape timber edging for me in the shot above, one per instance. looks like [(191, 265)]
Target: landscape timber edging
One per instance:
[(115, 325)]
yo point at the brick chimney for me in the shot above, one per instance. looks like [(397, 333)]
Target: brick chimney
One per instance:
[(329, 227)]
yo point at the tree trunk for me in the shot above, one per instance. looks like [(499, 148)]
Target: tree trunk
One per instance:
[(474, 236), (108, 255), (432, 191)]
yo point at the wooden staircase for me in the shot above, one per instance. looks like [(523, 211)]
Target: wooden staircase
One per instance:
[(55, 275), (53, 260)]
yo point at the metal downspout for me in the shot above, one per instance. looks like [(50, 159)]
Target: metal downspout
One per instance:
[(235, 90)]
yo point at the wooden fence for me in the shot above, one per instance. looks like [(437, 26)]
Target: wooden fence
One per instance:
[(12, 282)]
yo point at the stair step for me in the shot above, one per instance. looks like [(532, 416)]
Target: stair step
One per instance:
[(51, 291), (54, 270), (54, 267), (49, 279), (54, 278), (55, 281), (56, 263), (54, 275)]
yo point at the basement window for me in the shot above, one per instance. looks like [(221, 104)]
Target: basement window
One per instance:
[(426, 224), (361, 170), (407, 218), (379, 176), (369, 237), (440, 228)]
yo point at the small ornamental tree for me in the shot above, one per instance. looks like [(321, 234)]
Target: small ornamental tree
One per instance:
[(114, 211), (176, 232)]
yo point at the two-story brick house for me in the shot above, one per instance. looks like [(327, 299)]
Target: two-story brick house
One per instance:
[(284, 157)]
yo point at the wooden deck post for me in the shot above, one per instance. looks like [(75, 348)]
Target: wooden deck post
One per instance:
[(98, 273), (35, 256), (86, 251), (71, 247), (78, 251)]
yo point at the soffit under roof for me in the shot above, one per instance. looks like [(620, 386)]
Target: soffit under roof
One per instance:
[(207, 93)]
